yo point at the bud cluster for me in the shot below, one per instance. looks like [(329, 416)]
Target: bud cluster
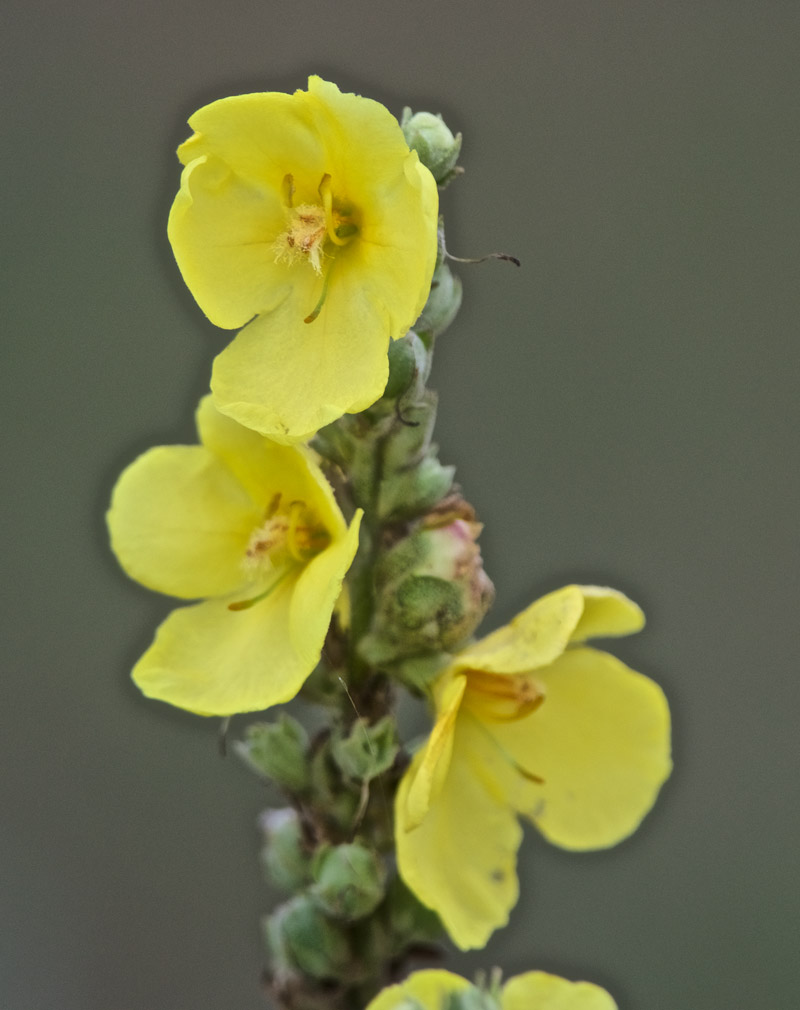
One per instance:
[(349, 914)]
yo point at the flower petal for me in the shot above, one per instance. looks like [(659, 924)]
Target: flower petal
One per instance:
[(396, 196), (600, 741), (223, 229), (606, 613), (261, 136), (265, 467), (431, 770), (536, 990), (531, 640), (214, 661), (287, 378), (180, 522), (426, 987), (317, 591), (461, 860)]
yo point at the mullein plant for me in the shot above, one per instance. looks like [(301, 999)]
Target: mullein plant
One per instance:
[(327, 553)]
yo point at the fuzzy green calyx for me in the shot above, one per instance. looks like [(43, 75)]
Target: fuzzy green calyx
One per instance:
[(302, 938), (278, 751), (350, 881)]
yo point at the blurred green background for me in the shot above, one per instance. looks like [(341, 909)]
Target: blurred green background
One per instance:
[(622, 410)]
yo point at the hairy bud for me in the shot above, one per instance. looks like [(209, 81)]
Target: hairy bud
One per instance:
[(350, 881), (432, 589), (283, 857), (302, 938), (436, 146)]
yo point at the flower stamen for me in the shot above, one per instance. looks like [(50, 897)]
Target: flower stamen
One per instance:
[(323, 295), (287, 190), (339, 234), (287, 536), (503, 697)]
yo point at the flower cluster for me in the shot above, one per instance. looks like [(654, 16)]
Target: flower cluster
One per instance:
[(325, 549)]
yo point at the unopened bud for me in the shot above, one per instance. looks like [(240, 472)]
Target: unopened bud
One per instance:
[(366, 751), (409, 366), (413, 480), (432, 589), (443, 302), (283, 856), (436, 146), (350, 881), (277, 750), (301, 937)]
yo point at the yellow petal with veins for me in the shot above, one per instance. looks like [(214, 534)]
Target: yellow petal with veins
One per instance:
[(317, 591), (288, 378), (606, 613), (214, 661), (180, 522), (600, 742), (222, 231), (531, 640), (265, 467), (461, 860), (430, 770)]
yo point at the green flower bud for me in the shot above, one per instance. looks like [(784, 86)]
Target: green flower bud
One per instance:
[(350, 881), (283, 856), (443, 302), (413, 479), (436, 146), (366, 751), (432, 589), (409, 366), (301, 937), (277, 750)]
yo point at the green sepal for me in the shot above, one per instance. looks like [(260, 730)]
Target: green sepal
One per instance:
[(366, 751), (277, 751)]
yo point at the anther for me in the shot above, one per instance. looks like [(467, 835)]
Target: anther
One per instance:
[(287, 189)]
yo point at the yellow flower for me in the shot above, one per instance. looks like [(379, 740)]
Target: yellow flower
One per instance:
[(529, 721), (252, 526), (308, 215), (535, 990)]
